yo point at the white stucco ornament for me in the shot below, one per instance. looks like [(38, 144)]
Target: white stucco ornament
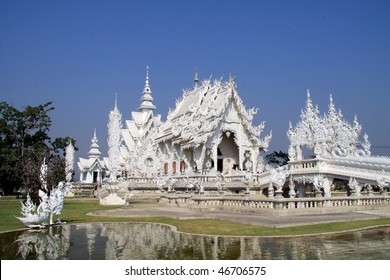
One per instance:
[(329, 136)]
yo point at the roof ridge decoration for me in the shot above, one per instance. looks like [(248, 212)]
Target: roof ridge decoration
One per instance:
[(200, 110), (330, 136)]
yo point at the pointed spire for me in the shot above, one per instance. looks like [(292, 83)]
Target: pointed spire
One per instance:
[(116, 101), (309, 103), (146, 99), (332, 112), (94, 148)]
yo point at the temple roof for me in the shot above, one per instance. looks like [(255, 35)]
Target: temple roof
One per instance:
[(94, 148), (201, 110), (88, 164)]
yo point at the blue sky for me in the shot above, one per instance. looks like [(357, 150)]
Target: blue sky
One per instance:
[(78, 54)]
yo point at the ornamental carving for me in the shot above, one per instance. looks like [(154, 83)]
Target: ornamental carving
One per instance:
[(330, 136)]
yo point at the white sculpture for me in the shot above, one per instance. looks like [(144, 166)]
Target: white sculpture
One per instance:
[(37, 217), (291, 186), (114, 141), (69, 162), (382, 182), (221, 181), (278, 177), (318, 182), (354, 186), (56, 200), (43, 175)]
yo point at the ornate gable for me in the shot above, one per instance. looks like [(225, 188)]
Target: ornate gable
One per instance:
[(201, 111)]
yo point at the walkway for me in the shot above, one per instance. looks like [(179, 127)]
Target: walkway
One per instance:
[(268, 218)]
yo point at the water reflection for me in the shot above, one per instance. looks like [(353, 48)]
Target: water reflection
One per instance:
[(151, 241)]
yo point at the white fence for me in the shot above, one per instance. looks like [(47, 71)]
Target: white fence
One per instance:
[(241, 202)]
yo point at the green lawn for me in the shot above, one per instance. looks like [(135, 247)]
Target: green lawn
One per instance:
[(75, 210)]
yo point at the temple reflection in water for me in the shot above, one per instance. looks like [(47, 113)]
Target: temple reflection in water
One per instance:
[(154, 241)]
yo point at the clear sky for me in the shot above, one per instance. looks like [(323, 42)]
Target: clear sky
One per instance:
[(78, 54)]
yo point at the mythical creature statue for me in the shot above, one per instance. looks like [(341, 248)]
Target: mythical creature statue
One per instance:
[(278, 177), (36, 217), (318, 182), (56, 200), (221, 181), (354, 186), (382, 182)]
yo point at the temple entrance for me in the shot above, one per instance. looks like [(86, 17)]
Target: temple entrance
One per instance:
[(228, 155), (95, 176)]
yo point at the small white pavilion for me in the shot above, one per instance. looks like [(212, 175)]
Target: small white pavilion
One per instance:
[(92, 169)]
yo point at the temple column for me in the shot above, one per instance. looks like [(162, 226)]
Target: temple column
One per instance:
[(254, 157), (241, 157), (215, 156)]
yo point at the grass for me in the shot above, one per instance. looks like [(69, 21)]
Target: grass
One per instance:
[(75, 212)]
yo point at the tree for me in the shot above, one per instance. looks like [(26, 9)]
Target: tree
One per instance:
[(277, 158), (25, 144)]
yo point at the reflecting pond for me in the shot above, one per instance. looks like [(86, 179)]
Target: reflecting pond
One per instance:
[(101, 241)]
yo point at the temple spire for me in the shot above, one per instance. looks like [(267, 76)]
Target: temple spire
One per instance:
[(147, 99), (94, 148)]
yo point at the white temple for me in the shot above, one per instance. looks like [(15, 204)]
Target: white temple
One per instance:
[(92, 169), (209, 146)]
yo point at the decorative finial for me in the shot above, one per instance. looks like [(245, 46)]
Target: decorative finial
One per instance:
[(94, 139), (196, 78), (147, 76)]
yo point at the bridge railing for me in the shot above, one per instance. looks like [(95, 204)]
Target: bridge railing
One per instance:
[(242, 202)]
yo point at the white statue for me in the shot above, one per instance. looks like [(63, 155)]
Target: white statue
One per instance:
[(114, 140), (278, 177), (291, 186), (69, 162), (354, 186), (35, 217), (49, 205), (221, 181), (43, 175), (382, 182), (318, 182), (56, 201)]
